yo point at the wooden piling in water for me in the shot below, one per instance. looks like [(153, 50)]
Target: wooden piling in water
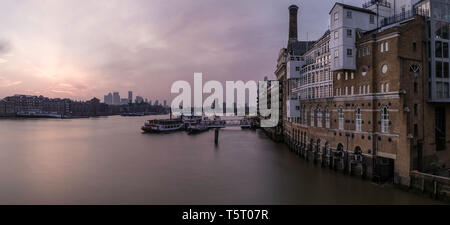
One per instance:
[(216, 136)]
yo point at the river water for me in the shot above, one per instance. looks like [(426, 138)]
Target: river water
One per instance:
[(108, 160)]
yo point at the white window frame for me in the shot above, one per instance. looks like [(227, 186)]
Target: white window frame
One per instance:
[(384, 119), (341, 118), (358, 119)]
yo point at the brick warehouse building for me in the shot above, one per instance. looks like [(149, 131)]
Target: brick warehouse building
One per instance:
[(371, 96)]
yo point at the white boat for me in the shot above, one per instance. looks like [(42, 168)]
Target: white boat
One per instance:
[(161, 126), (191, 120)]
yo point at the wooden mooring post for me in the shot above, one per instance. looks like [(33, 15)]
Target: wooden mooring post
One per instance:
[(216, 136)]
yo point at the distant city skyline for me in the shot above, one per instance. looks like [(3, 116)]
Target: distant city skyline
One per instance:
[(114, 98), (61, 49)]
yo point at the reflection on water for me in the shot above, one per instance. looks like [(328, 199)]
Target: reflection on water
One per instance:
[(109, 161)]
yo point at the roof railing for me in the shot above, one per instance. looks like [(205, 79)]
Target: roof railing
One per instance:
[(403, 16), (379, 2)]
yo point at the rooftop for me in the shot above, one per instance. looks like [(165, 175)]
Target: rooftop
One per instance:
[(299, 47), (351, 7)]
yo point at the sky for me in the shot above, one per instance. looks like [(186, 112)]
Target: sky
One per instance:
[(81, 49)]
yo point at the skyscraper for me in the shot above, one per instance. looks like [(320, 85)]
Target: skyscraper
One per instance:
[(116, 98), (130, 97), (108, 99)]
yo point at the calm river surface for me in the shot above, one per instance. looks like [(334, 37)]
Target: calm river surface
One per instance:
[(109, 161)]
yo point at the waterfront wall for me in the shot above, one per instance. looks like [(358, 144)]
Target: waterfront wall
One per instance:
[(367, 167), (354, 164), (436, 187)]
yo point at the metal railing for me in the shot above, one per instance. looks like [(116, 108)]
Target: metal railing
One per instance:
[(379, 2), (403, 16)]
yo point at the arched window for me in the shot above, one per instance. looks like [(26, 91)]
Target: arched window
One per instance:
[(319, 117), (312, 116), (384, 119), (358, 154), (358, 120), (327, 117), (341, 118)]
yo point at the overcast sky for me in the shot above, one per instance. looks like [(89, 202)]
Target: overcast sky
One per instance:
[(83, 48)]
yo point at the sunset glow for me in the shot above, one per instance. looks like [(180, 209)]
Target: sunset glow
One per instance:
[(82, 49)]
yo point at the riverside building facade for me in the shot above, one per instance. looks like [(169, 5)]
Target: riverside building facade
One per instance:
[(371, 96)]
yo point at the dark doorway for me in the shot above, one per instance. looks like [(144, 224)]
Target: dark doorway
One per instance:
[(419, 156), (385, 169), (440, 128)]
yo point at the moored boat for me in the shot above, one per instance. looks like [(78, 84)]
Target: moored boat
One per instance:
[(245, 123), (133, 114), (198, 128), (164, 125), (38, 114)]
